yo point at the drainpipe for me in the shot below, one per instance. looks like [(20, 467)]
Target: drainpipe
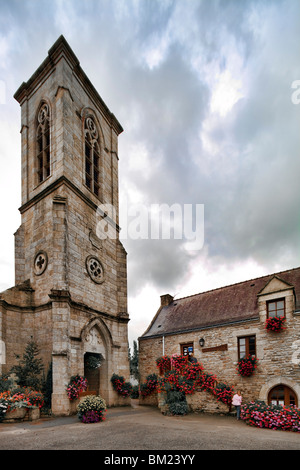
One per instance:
[(163, 342)]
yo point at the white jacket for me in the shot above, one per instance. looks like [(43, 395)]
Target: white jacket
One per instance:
[(237, 400)]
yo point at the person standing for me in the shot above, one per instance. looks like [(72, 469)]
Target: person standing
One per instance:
[(191, 358), (237, 401)]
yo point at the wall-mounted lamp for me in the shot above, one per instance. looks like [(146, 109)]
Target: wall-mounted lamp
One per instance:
[(201, 342)]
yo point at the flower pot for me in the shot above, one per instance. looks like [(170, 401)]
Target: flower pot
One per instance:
[(34, 413), (15, 414)]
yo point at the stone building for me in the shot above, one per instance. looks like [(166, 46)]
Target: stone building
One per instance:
[(224, 325), (70, 293)]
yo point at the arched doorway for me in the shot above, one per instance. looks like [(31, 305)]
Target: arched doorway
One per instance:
[(96, 341), (282, 395), (92, 364)]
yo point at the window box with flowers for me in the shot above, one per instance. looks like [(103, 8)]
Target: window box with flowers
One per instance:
[(275, 324), (247, 365)]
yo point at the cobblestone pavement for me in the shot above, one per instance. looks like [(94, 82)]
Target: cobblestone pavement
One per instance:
[(144, 428)]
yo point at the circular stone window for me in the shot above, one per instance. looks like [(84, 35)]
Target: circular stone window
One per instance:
[(40, 263), (95, 269)]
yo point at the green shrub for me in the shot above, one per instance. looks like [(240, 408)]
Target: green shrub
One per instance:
[(5, 383), (178, 408), (176, 400), (174, 396), (135, 392)]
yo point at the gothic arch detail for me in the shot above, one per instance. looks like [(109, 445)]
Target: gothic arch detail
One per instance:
[(93, 342), (42, 135), (87, 112), (97, 337), (93, 152)]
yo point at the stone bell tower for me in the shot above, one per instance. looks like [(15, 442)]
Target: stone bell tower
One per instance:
[(70, 266)]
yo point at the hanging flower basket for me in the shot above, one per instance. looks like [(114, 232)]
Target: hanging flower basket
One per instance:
[(76, 385), (247, 365), (120, 386), (92, 362), (275, 324)]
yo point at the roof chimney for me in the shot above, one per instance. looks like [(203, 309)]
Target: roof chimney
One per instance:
[(165, 300)]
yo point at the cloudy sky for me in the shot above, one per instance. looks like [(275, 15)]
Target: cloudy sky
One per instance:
[(203, 90)]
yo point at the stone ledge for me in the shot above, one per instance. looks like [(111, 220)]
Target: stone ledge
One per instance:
[(22, 414)]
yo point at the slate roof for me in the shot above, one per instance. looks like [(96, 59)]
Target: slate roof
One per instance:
[(225, 305)]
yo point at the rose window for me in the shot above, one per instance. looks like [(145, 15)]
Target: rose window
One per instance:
[(40, 263), (95, 269)]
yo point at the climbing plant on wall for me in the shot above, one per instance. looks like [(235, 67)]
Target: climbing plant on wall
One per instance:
[(183, 378)]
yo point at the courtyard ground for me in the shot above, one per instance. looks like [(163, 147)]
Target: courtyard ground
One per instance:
[(142, 428)]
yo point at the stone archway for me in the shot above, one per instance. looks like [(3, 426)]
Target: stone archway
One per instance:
[(96, 340), (282, 395), (276, 381)]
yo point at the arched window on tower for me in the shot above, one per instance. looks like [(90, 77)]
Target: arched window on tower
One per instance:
[(92, 155), (43, 142)]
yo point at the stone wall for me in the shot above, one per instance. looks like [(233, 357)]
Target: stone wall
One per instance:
[(199, 402)]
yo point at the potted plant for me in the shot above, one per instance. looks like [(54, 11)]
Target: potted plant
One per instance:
[(91, 409), (15, 405)]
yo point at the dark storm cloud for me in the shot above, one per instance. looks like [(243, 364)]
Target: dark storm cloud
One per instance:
[(156, 65), (250, 190)]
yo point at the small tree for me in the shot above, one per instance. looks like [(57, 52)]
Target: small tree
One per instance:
[(30, 368), (134, 361)]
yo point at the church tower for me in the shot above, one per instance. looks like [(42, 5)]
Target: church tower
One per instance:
[(70, 295)]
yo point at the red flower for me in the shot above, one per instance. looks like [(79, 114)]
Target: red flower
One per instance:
[(163, 363)]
